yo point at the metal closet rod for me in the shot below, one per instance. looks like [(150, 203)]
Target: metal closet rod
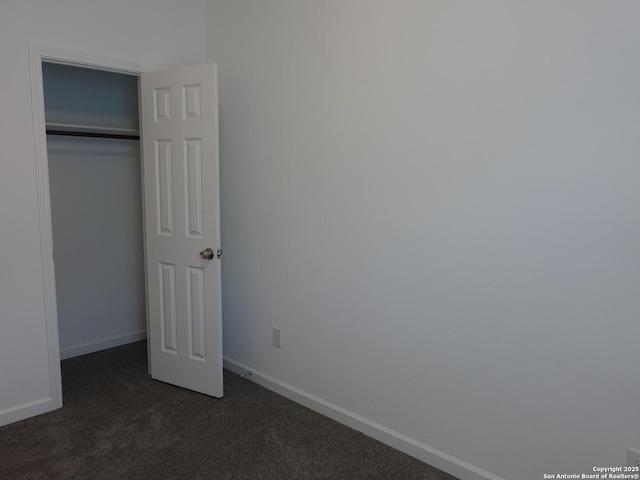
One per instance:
[(67, 133)]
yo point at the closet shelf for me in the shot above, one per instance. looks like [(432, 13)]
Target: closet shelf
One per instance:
[(94, 131)]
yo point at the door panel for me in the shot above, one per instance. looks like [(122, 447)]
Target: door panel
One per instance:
[(182, 218)]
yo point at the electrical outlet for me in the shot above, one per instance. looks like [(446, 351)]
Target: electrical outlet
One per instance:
[(633, 457), (277, 337)]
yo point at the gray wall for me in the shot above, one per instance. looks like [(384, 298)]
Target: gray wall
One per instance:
[(90, 97), (438, 203), (96, 207)]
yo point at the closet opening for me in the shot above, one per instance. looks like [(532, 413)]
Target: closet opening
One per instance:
[(95, 185)]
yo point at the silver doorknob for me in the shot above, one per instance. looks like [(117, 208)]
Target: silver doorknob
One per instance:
[(207, 254)]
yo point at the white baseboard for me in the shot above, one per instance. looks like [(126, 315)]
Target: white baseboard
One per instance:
[(445, 462), (27, 410), (102, 344)]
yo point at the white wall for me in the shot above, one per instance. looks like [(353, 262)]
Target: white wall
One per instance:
[(96, 210), (438, 204), (156, 32)]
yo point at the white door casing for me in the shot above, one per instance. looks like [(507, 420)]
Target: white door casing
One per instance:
[(179, 112), (51, 399)]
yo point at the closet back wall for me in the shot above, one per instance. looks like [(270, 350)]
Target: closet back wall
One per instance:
[(96, 208)]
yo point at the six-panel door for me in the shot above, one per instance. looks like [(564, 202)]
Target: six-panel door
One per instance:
[(181, 193)]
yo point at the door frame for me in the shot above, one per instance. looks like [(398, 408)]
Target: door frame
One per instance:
[(38, 54)]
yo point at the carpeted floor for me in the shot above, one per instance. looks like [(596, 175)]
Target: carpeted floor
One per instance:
[(117, 423)]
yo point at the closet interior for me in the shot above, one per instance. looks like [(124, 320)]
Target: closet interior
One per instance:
[(96, 207)]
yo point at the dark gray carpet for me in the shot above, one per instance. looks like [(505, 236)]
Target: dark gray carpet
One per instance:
[(117, 423)]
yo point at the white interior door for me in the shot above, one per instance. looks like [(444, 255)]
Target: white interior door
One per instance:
[(179, 111)]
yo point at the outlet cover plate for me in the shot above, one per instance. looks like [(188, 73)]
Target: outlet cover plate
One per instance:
[(277, 337)]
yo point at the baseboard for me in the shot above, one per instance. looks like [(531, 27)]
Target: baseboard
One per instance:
[(102, 344), (27, 410), (445, 462)]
